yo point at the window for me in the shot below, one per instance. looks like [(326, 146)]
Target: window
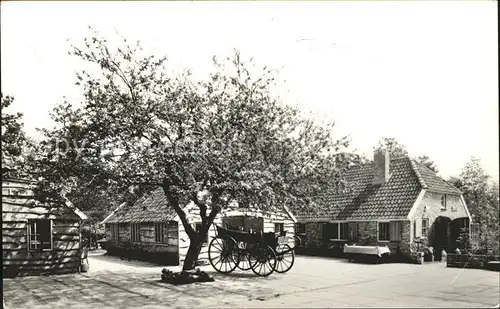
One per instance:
[(159, 236), (443, 202), (336, 230), (330, 231), (425, 227), (383, 231), (40, 234), (114, 231), (135, 232), (279, 227), (300, 228), (415, 229), (197, 228)]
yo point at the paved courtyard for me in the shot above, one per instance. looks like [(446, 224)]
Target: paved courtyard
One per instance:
[(312, 282)]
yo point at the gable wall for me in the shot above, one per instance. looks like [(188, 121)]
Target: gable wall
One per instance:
[(17, 258), (430, 208)]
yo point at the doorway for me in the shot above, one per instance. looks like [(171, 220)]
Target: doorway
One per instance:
[(440, 236)]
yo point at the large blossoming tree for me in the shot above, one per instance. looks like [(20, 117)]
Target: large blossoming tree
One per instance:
[(227, 136)]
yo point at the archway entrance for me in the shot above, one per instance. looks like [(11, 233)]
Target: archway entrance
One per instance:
[(440, 236)]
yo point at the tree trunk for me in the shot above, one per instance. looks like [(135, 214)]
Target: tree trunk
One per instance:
[(96, 244), (193, 252), (195, 245)]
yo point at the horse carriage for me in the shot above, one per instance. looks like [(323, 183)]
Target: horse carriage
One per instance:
[(263, 253)]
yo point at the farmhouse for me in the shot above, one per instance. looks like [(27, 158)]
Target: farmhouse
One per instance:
[(151, 230), (37, 239), (390, 202)]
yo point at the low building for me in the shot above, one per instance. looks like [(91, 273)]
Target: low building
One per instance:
[(151, 230), (38, 239), (392, 202)]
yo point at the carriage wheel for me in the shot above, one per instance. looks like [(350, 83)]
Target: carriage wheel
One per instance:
[(244, 257), (284, 258), (263, 260), (223, 254)]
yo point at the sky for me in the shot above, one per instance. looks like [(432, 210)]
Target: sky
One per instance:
[(425, 73)]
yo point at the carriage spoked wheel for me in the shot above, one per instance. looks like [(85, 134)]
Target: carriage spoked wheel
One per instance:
[(284, 258), (244, 256), (262, 260), (223, 254)]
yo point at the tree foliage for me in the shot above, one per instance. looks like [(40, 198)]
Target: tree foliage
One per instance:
[(397, 150), (222, 140), (425, 160), (481, 197), (393, 146), (14, 139)]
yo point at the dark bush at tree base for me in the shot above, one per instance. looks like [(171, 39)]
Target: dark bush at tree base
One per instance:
[(184, 277)]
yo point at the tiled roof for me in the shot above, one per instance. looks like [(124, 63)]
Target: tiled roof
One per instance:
[(365, 201), (153, 207), (361, 201), (432, 182)]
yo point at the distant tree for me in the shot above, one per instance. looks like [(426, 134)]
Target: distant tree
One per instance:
[(481, 198), (494, 216), (425, 160), (224, 139), (456, 182), (393, 146), (14, 139)]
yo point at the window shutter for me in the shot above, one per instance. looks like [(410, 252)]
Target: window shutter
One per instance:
[(395, 231), (353, 231)]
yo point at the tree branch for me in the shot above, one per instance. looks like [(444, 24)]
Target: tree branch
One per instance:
[(201, 206), (174, 202)]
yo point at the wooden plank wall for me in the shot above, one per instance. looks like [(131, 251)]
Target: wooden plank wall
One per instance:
[(178, 237), (147, 249), (147, 232), (171, 233), (124, 232), (288, 225), (17, 259)]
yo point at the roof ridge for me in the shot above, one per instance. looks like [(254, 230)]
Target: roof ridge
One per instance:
[(414, 166), (437, 176)]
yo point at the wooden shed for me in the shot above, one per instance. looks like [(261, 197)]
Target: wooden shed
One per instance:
[(151, 230), (37, 239)]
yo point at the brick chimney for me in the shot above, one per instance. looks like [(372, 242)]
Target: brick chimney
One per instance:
[(380, 167)]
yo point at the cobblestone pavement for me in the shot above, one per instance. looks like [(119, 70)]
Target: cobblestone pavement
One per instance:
[(312, 282)]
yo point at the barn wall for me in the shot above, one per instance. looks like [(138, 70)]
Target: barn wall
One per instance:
[(288, 225), (124, 247), (17, 258)]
